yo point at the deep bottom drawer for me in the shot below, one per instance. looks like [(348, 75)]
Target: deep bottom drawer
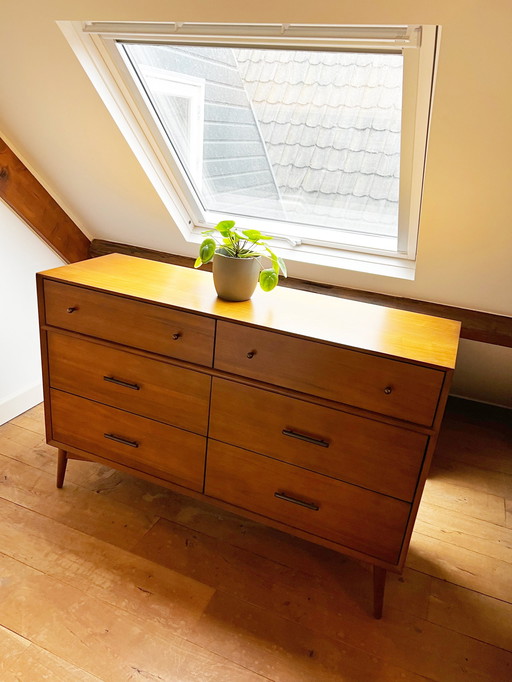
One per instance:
[(140, 443), (359, 519)]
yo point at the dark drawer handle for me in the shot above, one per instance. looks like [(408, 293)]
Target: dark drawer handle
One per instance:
[(251, 354), (71, 309), (301, 503), (123, 441), (388, 390), (176, 336), (308, 439), (126, 384)]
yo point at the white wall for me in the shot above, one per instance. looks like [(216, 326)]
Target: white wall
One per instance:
[(484, 373), (22, 254), (55, 120)]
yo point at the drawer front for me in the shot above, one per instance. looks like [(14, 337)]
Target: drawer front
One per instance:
[(147, 387), (351, 516), (390, 387), (142, 444), (377, 456), (132, 323)]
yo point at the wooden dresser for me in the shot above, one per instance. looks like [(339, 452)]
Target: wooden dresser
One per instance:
[(312, 414)]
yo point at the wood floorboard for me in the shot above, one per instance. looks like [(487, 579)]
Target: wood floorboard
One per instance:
[(36, 663), (113, 578), (73, 506)]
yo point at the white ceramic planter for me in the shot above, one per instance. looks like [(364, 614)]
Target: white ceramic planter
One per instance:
[(235, 279)]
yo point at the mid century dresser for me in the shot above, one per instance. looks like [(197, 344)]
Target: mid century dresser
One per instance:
[(313, 414)]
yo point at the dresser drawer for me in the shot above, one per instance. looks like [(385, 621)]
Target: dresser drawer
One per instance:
[(353, 517), (397, 389), (145, 445), (377, 456), (133, 323), (174, 395)]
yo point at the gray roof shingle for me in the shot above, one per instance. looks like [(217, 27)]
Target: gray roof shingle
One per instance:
[(331, 123)]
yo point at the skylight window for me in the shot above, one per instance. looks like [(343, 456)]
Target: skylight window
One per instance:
[(305, 137), (315, 134)]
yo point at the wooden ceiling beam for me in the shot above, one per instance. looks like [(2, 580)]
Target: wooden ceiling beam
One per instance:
[(28, 198)]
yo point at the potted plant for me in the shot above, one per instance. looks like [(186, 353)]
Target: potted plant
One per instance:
[(236, 261)]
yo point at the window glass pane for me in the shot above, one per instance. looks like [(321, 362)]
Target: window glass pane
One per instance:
[(309, 137)]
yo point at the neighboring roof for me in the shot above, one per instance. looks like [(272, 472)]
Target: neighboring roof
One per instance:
[(305, 136), (234, 156), (340, 146)]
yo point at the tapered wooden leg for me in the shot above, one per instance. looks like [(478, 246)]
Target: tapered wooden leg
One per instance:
[(379, 583), (62, 461)]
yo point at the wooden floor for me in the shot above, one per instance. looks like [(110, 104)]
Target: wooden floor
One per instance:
[(112, 578)]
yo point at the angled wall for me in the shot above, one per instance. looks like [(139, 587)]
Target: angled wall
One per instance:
[(22, 254)]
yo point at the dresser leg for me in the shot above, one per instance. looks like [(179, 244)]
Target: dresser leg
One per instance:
[(379, 582), (62, 461)]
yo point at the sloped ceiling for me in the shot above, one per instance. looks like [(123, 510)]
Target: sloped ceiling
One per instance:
[(52, 117)]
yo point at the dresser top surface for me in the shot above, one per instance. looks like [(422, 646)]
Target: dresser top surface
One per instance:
[(363, 326)]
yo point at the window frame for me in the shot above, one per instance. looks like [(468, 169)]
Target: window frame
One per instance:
[(95, 44)]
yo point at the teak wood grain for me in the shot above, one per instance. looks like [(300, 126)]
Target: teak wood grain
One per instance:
[(365, 376), (161, 450), (361, 519), (475, 324), (394, 333), (131, 323), (377, 456), (380, 385), (137, 384)]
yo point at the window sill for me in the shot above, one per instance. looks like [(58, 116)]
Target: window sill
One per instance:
[(372, 264), (385, 266)]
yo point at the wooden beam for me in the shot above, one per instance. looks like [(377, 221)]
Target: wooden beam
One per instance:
[(28, 198), (476, 326)]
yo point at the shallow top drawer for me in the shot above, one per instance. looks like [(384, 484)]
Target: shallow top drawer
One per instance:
[(133, 323), (394, 388)]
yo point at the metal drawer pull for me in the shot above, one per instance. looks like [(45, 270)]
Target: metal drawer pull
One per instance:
[(308, 439), (126, 384), (251, 354), (123, 441), (71, 309), (176, 336), (388, 390), (301, 503)]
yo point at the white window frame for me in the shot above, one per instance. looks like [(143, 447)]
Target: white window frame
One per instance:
[(95, 44)]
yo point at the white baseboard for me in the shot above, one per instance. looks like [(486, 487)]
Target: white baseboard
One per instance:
[(17, 403)]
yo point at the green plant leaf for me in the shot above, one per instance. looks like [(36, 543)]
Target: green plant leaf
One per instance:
[(253, 235), (198, 262), (282, 265), (225, 227), (207, 250), (268, 279)]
